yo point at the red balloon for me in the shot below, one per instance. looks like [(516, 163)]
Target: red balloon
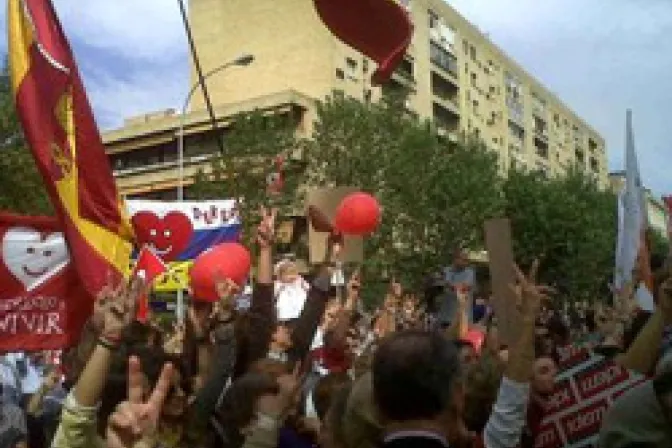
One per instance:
[(224, 261), (475, 338), (357, 214)]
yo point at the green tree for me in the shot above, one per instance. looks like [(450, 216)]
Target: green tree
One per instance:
[(570, 224), (435, 194), (252, 145), (21, 186)]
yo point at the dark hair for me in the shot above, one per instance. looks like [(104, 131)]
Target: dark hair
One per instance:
[(413, 375), (662, 384), (558, 330), (238, 405), (590, 321)]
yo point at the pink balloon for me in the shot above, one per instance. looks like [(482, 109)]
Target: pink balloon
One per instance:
[(357, 214), (224, 261)]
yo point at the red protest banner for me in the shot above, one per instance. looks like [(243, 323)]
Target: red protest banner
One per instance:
[(43, 305), (585, 388)]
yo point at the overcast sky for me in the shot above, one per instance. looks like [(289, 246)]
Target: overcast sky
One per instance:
[(599, 56)]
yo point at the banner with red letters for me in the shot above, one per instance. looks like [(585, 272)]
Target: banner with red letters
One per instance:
[(43, 305), (586, 387)]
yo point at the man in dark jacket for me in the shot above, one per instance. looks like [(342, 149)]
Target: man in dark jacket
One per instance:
[(416, 385)]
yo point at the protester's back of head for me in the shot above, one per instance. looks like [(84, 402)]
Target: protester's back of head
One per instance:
[(414, 374)]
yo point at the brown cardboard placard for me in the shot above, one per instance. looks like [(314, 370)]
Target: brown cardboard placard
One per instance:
[(502, 274), (327, 200)]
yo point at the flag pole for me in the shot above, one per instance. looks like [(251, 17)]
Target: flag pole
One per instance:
[(201, 76)]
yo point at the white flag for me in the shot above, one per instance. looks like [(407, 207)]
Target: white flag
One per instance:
[(632, 217)]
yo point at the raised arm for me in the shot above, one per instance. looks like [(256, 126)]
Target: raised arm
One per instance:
[(505, 425)]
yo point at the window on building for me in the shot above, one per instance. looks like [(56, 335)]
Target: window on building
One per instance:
[(592, 145), (340, 74), (473, 79), (406, 69), (475, 105), (367, 95), (477, 133), (352, 65), (472, 52), (365, 66), (465, 46), (443, 58), (433, 20)]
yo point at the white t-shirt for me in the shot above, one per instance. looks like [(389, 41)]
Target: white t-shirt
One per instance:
[(290, 298)]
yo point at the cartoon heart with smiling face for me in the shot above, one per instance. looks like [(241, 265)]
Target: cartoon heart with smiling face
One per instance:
[(34, 257), (168, 236)]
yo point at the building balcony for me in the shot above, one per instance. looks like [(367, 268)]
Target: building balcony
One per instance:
[(444, 60), (541, 134), (445, 116), (445, 91), (516, 111), (160, 166), (447, 103)]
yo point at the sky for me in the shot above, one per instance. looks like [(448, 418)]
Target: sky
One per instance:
[(599, 56)]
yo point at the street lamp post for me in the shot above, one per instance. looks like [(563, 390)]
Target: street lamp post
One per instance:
[(241, 61)]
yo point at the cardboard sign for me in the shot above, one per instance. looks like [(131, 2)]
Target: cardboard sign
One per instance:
[(502, 275), (586, 387), (327, 200)]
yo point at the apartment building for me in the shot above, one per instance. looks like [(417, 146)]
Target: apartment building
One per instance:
[(655, 207), (457, 78)]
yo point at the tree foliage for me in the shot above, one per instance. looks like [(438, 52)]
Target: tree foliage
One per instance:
[(21, 186), (435, 194), (569, 223), (252, 145)]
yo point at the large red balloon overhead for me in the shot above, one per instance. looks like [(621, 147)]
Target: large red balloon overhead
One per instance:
[(357, 214), (380, 29), (224, 261)]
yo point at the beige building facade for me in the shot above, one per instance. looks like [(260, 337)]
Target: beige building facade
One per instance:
[(655, 207), (457, 78)]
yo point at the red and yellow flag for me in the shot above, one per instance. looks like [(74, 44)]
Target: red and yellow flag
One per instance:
[(60, 128), (379, 29)]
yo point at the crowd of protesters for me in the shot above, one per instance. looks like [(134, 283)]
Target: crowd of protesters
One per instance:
[(407, 374)]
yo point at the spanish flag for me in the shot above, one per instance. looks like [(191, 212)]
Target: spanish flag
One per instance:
[(379, 29), (60, 128)]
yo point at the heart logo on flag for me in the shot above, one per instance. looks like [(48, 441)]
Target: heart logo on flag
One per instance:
[(34, 257), (167, 236)]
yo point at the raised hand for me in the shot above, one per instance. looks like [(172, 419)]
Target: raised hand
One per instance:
[(353, 287), (462, 294), (199, 314), (226, 291), (136, 420), (116, 308), (396, 289), (266, 228), (289, 386), (175, 344), (529, 294)]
